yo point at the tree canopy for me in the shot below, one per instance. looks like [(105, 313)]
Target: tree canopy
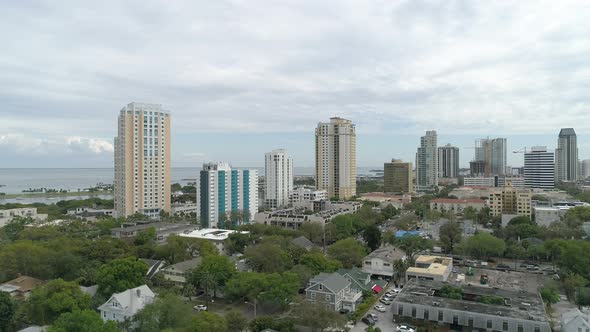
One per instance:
[(348, 251), (121, 274)]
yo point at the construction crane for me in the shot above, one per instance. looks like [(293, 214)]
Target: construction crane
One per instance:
[(523, 150)]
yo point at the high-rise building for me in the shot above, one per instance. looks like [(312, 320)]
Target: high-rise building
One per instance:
[(398, 177), (278, 177), (510, 201), (226, 195), (477, 168), (585, 169), (448, 161), (566, 156), (427, 162), (493, 152), (335, 150), (539, 168), (142, 161)]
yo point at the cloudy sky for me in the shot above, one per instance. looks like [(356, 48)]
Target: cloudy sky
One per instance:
[(243, 77)]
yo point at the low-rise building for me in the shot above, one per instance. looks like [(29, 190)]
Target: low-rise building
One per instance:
[(510, 200), (21, 287), (380, 261), (478, 309), (385, 199), (163, 229), (179, 272), (575, 321), (361, 281), (546, 215), (88, 212), (456, 205), (306, 194), (435, 268), (214, 235), (184, 208), (294, 217), (333, 291), (123, 306), (7, 215), (303, 242)]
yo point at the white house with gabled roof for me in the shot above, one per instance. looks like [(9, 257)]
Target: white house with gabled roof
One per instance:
[(125, 305)]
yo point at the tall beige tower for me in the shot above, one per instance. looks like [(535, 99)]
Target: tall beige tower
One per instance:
[(335, 162), (142, 161)]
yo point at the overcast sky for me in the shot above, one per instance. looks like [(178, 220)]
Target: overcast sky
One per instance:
[(243, 77)]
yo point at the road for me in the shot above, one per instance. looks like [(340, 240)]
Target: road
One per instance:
[(385, 322)]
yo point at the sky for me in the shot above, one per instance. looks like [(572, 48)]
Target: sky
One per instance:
[(241, 78)]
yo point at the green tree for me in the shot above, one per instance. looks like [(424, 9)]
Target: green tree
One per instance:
[(484, 245), (314, 232), (317, 262), (269, 322), (470, 213), (344, 226), (7, 310), (82, 320), (412, 245), (317, 317), (372, 236), (348, 251), (549, 294), (573, 282), (303, 273), (450, 235), (167, 312), (208, 322), (13, 228), (213, 272), (236, 322), (49, 301), (237, 242), (268, 257), (121, 274)]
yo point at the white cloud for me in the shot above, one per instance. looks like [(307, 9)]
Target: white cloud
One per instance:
[(25, 144), (92, 145)]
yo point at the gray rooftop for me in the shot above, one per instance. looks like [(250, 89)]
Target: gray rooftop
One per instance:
[(567, 131), (184, 266), (523, 305), (333, 281), (158, 226), (387, 253), (302, 242)]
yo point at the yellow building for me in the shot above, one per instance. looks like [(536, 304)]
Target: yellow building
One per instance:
[(436, 268), (510, 201), (142, 161)]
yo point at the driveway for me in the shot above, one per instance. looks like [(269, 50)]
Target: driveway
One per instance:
[(385, 322)]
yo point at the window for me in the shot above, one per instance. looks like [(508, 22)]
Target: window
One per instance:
[(455, 320), (313, 295), (520, 328), (440, 316), (505, 326), (321, 287), (400, 310), (470, 322), (426, 315), (413, 312), (537, 329), (489, 324), (327, 297)]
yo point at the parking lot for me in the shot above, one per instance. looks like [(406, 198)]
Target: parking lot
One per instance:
[(529, 281), (385, 319)]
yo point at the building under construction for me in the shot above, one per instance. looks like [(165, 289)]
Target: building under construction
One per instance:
[(489, 157)]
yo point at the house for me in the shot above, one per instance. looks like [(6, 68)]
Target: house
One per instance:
[(21, 287), (35, 328), (154, 266), (380, 261), (90, 290), (361, 281), (123, 306), (163, 230), (7, 215), (575, 321), (436, 268), (456, 205), (179, 272), (303, 242), (333, 291)]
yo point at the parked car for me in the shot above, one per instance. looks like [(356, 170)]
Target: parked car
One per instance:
[(374, 317), (384, 301), (368, 320), (455, 270), (344, 311), (502, 266), (405, 328), (380, 308), (200, 307)]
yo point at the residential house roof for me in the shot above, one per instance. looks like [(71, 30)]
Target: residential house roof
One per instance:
[(185, 266), (361, 279), (153, 266), (90, 290), (22, 284), (574, 318), (302, 242), (333, 281), (130, 301), (387, 253)]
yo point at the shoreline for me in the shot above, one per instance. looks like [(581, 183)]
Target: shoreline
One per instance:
[(69, 193)]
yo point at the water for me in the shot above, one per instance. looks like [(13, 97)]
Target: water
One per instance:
[(15, 180)]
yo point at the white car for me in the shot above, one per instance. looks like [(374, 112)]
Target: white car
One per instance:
[(404, 328), (200, 307), (380, 308)]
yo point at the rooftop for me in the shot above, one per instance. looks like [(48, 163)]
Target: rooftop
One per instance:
[(437, 265), (211, 234), (22, 284), (184, 266), (386, 253), (333, 281), (518, 304), (456, 200), (159, 226), (302, 242)]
